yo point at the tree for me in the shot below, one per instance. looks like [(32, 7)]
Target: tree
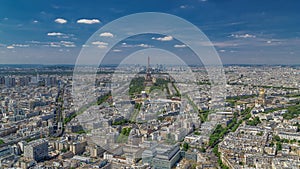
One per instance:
[(63, 150), (216, 151), (197, 133), (253, 122), (125, 131), (185, 146), (1, 141), (202, 149), (218, 133), (278, 146), (276, 138)]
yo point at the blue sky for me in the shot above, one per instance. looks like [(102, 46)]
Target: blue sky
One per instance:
[(242, 31)]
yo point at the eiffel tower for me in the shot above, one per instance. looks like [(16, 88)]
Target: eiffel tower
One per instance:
[(148, 78)]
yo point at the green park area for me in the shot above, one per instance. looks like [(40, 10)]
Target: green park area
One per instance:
[(1, 141), (136, 86), (123, 137)]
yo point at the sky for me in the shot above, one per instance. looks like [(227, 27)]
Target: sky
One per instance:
[(242, 31)]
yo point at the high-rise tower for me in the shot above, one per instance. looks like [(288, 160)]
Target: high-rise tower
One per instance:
[(148, 78), (148, 74)]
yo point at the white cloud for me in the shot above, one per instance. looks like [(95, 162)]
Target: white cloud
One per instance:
[(88, 21), (20, 45), (186, 7), (125, 45), (117, 50), (166, 38), (60, 21), (219, 44), (242, 35), (180, 46), (100, 44), (15, 45), (183, 6), (61, 35), (224, 44), (144, 45), (34, 42), (67, 44), (55, 34), (54, 44), (106, 34)]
